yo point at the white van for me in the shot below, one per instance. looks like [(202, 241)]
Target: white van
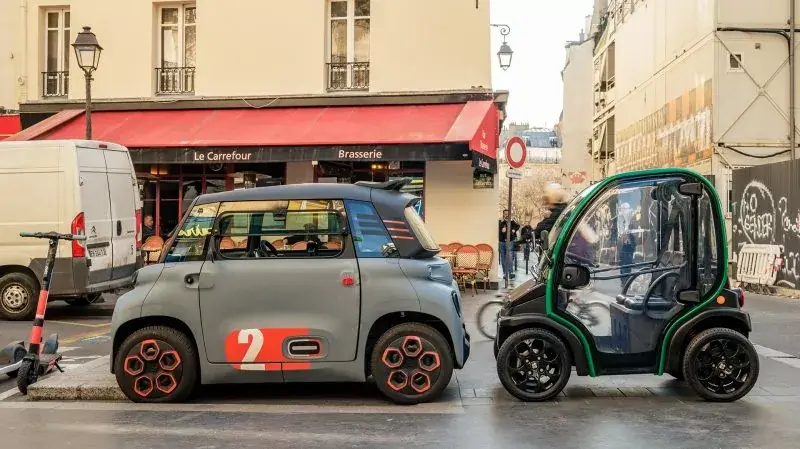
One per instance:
[(68, 186)]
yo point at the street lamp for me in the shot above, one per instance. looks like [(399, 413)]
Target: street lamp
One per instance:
[(505, 53), (87, 51)]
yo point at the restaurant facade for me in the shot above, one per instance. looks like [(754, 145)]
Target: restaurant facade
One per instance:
[(448, 150)]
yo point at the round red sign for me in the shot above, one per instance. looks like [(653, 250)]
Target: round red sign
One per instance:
[(516, 152)]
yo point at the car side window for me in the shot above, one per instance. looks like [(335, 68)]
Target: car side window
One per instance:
[(708, 248), (190, 243), (369, 234), (266, 229)]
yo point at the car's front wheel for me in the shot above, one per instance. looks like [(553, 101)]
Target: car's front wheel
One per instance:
[(412, 363), (157, 364), (534, 364)]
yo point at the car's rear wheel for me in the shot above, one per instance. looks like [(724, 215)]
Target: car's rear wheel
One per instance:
[(534, 364), (18, 296), (412, 363), (721, 365), (157, 364), (84, 301)]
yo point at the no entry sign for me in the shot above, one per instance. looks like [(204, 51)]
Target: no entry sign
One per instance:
[(516, 152)]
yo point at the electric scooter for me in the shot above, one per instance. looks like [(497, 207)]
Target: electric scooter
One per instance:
[(41, 357)]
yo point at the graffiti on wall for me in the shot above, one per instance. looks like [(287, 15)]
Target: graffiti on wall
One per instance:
[(678, 134), (766, 213)]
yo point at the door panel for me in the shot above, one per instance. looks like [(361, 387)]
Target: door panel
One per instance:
[(96, 207), (252, 307), (633, 239), (122, 188)]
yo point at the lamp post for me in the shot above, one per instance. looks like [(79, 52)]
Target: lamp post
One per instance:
[(87, 51), (505, 53)]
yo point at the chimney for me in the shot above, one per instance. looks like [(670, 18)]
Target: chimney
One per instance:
[(582, 37)]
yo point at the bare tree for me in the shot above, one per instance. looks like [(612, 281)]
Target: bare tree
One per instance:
[(527, 205)]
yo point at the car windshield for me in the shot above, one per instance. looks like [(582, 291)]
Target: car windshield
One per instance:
[(544, 262)]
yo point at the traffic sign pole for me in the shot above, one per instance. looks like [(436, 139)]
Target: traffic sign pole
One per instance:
[(516, 154)]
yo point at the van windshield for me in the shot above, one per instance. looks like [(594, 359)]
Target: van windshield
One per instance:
[(420, 231)]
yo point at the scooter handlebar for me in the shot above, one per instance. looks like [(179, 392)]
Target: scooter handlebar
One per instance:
[(53, 235)]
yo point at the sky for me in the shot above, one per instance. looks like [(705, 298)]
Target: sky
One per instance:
[(539, 31)]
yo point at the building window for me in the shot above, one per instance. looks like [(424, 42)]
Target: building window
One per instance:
[(55, 77), (177, 49), (348, 44), (735, 62)]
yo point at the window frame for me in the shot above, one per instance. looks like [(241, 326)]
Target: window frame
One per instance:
[(739, 61), (181, 25), (63, 47), (350, 20), (216, 237)]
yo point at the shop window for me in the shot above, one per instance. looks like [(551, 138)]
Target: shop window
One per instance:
[(190, 243), (55, 76), (266, 229), (369, 234)]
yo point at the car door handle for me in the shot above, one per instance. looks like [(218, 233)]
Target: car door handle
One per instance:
[(191, 279), (119, 227)]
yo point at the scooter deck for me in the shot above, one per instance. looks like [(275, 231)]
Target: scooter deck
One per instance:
[(47, 362), (5, 369)]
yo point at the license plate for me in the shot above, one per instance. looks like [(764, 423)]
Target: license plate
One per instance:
[(97, 252)]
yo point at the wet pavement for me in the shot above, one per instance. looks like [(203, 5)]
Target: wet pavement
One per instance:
[(606, 412)]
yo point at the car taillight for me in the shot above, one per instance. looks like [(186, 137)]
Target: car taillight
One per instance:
[(741, 297), (78, 228), (138, 229)]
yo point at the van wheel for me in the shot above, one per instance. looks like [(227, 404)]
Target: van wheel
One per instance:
[(157, 364), (18, 296), (412, 363)]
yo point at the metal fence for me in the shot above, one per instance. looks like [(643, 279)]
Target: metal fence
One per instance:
[(766, 210)]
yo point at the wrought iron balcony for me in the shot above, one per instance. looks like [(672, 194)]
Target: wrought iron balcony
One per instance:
[(55, 84), (348, 76), (174, 80)]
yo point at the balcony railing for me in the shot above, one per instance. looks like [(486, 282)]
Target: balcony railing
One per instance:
[(348, 76), (55, 84), (175, 80)]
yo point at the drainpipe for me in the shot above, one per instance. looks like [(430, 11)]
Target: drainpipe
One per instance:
[(23, 46)]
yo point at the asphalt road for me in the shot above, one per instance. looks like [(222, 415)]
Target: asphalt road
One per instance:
[(607, 412)]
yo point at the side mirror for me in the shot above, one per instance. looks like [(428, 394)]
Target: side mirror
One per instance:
[(575, 276), (545, 240)]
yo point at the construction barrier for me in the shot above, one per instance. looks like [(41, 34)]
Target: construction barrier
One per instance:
[(758, 265)]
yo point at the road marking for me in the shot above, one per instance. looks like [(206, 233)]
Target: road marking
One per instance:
[(84, 336), (778, 356), (449, 408), (75, 323)]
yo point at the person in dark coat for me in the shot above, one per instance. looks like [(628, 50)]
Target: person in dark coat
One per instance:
[(555, 201)]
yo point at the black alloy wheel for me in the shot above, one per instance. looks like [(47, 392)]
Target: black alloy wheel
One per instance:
[(534, 364), (721, 365)]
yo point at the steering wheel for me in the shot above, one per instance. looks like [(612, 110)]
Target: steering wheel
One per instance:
[(266, 248), (582, 260), (652, 287)]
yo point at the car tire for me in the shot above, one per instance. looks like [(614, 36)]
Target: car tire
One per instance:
[(412, 363), (18, 296), (721, 365), (157, 364), (541, 344), (19, 353)]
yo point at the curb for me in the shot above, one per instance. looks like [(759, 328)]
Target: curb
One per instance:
[(83, 384)]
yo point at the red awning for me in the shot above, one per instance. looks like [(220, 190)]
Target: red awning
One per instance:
[(9, 125), (474, 122)]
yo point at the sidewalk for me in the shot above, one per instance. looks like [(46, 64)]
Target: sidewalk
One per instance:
[(91, 382)]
